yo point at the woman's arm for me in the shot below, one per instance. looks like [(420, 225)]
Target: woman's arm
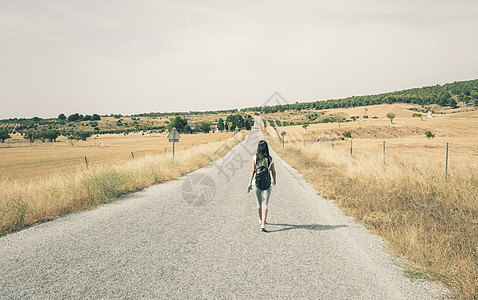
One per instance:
[(252, 171), (273, 169)]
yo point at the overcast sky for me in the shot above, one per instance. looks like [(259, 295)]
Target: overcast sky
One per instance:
[(156, 56)]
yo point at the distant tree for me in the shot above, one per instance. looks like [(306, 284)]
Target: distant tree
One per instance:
[(347, 134), (272, 123), (4, 135), (61, 117), (204, 127), (278, 123), (179, 123), (265, 123), (453, 103), (418, 115), (95, 117), (391, 116), (248, 123), (87, 118), (429, 134), (220, 124), (50, 135), (31, 136), (305, 126), (74, 117), (339, 120), (237, 121), (229, 125), (188, 129), (76, 136)]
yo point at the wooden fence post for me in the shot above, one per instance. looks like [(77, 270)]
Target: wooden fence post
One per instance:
[(446, 163), (384, 152)]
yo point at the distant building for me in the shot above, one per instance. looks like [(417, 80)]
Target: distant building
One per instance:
[(214, 129)]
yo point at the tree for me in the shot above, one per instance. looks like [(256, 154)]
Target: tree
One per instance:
[(418, 115), (453, 103), (248, 123), (347, 134), (31, 136), (429, 134), (179, 123), (74, 117), (95, 117), (236, 120), (391, 116), (78, 135), (220, 124), (305, 126), (4, 135), (339, 120), (61, 117), (51, 135), (204, 127)]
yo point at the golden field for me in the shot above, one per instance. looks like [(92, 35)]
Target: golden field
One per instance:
[(22, 162), (24, 203), (431, 221), (404, 136)]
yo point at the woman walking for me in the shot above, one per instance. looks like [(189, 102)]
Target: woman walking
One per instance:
[(262, 165)]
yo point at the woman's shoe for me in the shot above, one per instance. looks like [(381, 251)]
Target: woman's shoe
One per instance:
[(263, 228)]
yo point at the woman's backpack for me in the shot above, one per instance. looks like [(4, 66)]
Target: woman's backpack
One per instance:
[(263, 176)]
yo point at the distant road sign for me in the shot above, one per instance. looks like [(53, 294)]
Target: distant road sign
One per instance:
[(173, 135), (282, 133)]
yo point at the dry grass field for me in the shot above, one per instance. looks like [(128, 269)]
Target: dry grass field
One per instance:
[(22, 162), (24, 203), (405, 136), (431, 221)]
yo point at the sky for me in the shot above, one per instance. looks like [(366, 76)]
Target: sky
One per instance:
[(114, 56)]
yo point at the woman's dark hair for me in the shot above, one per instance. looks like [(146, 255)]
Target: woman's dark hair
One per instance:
[(262, 151)]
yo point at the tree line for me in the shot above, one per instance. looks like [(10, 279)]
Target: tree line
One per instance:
[(229, 124), (442, 95)]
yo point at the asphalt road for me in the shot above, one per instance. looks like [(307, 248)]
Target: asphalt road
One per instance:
[(198, 237)]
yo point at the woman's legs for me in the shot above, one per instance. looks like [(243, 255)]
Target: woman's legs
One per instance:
[(265, 205), (259, 203)]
